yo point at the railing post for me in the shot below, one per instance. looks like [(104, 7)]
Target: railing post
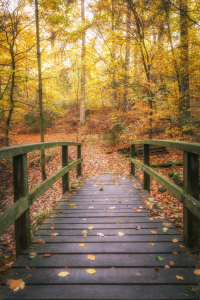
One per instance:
[(146, 177), (191, 187), (133, 156), (65, 162), (79, 156), (22, 224)]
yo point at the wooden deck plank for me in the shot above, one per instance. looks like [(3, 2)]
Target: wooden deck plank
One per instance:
[(156, 292)]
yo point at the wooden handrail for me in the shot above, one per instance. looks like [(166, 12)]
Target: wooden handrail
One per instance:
[(19, 212), (189, 195)]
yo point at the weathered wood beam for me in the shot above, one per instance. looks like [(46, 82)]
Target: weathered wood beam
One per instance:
[(191, 187), (133, 156), (65, 178), (146, 177), (17, 150), (22, 224), (79, 157), (184, 146)]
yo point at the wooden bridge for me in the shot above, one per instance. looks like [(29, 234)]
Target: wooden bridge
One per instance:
[(102, 242)]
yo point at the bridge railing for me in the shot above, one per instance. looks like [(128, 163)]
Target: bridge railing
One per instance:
[(19, 212), (189, 195)]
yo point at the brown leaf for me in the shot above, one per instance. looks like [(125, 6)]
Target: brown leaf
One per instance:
[(134, 207), (54, 234), (182, 246), (90, 227), (41, 241), (15, 283), (91, 257), (151, 244), (56, 212), (174, 240), (137, 227), (29, 276), (154, 232), (172, 263), (139, 210), (52, 227), (66, 268), (179, 277), (167, 267), (197, 266), (8, 282), (197, 272), (175, 252), (47, 255)]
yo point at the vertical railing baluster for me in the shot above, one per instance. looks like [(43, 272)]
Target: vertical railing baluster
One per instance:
[(79, 156), (133, 156), (22, 224), (146, 177), (65, 162), (191, 187)]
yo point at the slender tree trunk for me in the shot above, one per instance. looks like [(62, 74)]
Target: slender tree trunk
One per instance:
[(8, 119), (40, 91), (127, 58), (113, 55), (184, 63), (82, 106)]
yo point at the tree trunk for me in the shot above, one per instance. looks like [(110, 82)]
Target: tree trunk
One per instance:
[(40, 91), (113, 55), (82, 106), (184, 63), (127, 58), (8, 119)]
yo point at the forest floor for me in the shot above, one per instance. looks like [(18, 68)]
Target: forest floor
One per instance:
[(97, 159)]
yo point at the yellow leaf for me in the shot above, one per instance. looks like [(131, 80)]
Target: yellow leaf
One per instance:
[(113, 207), (91, 257), (106, 199), (54, 234), (91, 271), (151, 244), (63, 274), (72, 204), (167, 267), (179, 277), (139, 210), (197, 272), (90, 227), (81, 245), (165, 228)]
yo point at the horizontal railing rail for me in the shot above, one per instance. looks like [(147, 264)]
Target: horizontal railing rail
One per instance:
[(189, 195), (19, 212)]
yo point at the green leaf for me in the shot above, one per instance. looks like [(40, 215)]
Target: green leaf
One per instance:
[(191, 289), (101, 189), (159, 258), (137, 274), (164, 230)]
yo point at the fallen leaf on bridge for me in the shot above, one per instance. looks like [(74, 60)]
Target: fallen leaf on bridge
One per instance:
[(182, 246), (41, 241), (153, 231), (113, 207), (54, 234), (197, 272), (120, 233), (81, 245), (47, 255), (174, 240), (137, 227), (179, 277), (100, 234), (167, 267), (52, 227), (91, 257), (151, 244), (63, 274), (91, 271), (90, 227), (72, 204), (172, 263), (159, 258)]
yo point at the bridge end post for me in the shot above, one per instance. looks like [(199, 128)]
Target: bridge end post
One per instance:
[(191, 187), (22, 224), (65, 162), (79, 156), (133, 156), (146, 177)]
